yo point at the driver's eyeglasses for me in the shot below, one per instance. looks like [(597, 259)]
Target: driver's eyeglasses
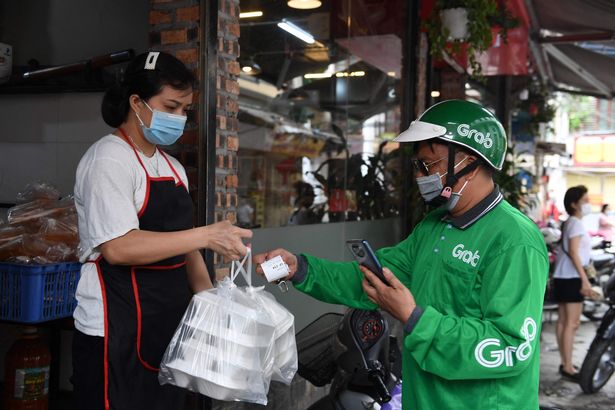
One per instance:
[(422, 167)]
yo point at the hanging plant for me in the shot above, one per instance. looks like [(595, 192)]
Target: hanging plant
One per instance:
[(539, 108), (454, 23)]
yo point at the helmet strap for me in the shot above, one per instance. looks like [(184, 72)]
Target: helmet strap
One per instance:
[(451, 177)]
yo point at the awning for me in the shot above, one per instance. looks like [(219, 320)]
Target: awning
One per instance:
[(572, 42)]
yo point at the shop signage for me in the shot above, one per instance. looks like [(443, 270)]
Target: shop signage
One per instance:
[(595, 151)]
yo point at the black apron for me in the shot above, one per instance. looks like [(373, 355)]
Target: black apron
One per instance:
[(145, 304)]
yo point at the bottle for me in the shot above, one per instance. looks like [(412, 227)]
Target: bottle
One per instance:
[(27, 373)]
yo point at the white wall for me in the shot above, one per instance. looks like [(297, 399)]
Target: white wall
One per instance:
[(42, 137)]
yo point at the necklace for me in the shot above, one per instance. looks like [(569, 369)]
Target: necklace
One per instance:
[(156, 163)]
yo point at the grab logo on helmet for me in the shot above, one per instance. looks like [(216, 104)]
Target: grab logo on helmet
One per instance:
[(464, 130)]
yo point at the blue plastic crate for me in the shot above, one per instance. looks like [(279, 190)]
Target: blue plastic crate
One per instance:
[(37, 293)]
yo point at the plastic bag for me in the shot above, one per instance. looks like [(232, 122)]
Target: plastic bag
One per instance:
[(285, 361), (34, 248), (30, 213), (61, 230), (223, 347), (228, 345), (38, 190), (10, 233)]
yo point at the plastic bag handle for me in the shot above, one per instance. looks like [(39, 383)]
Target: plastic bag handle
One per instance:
[(237, 267)]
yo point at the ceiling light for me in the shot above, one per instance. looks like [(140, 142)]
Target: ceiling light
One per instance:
[(435, 93), (304, 4), (250, 14), (250, 67), (391, 73), (296, 31), (351, 74), (317, 75)]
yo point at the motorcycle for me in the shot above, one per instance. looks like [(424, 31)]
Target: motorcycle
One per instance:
[(599, 363), (357, 355)]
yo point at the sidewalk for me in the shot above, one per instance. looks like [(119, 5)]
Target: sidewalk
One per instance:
[(556, 392)]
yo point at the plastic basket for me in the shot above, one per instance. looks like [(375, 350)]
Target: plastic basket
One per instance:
[(37, 293)]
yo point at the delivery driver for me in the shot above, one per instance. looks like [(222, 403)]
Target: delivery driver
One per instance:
[(468, 283), (138, 241)]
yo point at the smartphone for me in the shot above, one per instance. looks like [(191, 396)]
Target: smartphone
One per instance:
[(365, 256)]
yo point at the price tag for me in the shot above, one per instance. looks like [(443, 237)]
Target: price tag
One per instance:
[(275, 269)]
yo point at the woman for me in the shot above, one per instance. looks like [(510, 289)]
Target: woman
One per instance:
[(606, 223), (570, 279), (140, 248)]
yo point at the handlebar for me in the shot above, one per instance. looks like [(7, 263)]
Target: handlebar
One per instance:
[(375, 373)]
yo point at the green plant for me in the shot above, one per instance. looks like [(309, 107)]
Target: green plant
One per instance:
[(482, 16), (510, 184), (580, 110), (539, 107), (368, 177)]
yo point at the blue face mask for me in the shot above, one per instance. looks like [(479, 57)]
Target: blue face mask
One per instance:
[(164, 128), (431, 189)]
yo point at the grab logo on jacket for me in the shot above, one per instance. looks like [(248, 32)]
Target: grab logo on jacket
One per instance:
[(497, 357), (469, 257)]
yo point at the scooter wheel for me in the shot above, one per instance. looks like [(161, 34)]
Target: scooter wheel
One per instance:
[(598, 366)]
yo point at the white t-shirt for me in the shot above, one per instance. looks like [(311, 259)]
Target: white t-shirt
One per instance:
[(564, 268), (110, 189)]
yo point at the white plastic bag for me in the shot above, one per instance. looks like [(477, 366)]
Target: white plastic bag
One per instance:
[(285, 346), (231, 342)]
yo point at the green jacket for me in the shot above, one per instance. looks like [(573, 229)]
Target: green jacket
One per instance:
[(476, 345)]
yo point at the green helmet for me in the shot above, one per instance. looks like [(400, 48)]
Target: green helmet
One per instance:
[(463, 123)]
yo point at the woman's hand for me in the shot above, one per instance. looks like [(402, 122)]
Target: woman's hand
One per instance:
[(226, 239), (586, 288), (288, 258)]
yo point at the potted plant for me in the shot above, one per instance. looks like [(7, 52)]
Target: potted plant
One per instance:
[(454, 23)]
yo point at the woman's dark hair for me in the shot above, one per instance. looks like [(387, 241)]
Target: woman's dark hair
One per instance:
[(146, 83), (572, 196), (604, 207)]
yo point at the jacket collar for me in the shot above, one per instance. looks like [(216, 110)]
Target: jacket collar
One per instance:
[(478, 211)]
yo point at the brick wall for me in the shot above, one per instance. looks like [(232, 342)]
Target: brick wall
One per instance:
[(227, 107), (174, 28)]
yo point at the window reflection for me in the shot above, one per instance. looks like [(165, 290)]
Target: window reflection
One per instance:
[(319, 104)]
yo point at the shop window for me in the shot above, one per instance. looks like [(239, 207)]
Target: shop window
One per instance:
[(319, 104)]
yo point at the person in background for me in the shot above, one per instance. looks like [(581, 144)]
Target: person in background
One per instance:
[(140, 250), (606, 224), (550, 211), (468, 284), (570, 283)]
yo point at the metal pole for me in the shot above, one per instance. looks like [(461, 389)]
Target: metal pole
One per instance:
[(409, 79), (503, 102), (207, 119)]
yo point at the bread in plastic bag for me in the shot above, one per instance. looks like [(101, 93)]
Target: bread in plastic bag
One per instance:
[(38, 190), (42, 231), (229, 345), (31, 213)]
